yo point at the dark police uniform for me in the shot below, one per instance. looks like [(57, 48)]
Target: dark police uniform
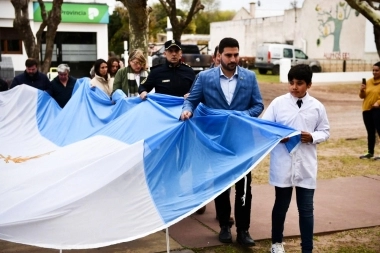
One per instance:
[(169, 79)]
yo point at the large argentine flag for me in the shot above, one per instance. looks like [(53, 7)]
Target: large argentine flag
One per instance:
[(98, 173)]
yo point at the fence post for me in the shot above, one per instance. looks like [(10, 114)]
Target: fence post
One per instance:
[(344, 65)]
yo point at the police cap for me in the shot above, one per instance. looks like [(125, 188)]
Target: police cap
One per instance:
[(172, 43)]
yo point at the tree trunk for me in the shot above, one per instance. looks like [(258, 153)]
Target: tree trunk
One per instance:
[(22, 24), (138, 24), (179, 26), (177, 32), (53, 20), (376, 32)]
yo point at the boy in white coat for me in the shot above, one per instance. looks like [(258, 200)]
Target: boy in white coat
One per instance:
[(301, 111)]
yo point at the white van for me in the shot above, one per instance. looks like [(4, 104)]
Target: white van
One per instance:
[(268, 57)]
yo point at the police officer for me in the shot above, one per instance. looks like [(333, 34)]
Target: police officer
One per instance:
[(172, 77)]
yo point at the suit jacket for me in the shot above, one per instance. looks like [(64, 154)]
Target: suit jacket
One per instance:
[(207, 89)]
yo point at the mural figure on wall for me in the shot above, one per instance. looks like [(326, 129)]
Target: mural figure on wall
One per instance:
[(331, 23)]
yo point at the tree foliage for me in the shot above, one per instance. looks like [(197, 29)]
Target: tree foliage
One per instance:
[(50, 20), (179, 24), (203, 19), (118, 30), (210, 5), (157, 21), (370, 10), (200, 22)]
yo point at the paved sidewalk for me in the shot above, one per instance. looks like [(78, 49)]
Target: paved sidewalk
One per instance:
[(340, 204)]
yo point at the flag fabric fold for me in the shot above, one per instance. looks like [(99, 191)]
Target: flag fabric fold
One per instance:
[(102, 171)]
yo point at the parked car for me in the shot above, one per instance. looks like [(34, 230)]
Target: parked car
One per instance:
[(191, 55), (268, 57)]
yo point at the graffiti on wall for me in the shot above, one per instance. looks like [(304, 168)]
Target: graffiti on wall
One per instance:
[(331, 24), (337, 55)]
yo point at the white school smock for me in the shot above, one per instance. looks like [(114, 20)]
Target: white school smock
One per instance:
[(298, 168)]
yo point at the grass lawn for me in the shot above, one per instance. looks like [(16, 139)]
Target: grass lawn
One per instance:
[(267, 78)]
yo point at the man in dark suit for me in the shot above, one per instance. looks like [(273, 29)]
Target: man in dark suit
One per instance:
[(32, 77), (229, 87)]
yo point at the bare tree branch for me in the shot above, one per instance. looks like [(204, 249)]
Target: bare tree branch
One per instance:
[(371, 12), (50, 20)]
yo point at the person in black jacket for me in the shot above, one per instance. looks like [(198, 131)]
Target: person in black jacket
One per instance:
[(3, 85), (62, 85), (171, 78), (32, 77)]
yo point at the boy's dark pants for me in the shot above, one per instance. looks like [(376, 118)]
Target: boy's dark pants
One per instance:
[(305, 210)]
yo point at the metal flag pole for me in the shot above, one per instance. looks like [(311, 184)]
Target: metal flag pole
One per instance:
[(167, 241)]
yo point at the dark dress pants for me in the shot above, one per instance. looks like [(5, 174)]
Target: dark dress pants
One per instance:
[(243, 200)]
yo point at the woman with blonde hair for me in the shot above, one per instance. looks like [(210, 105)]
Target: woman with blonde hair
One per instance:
[(102, 78), (128, 79)]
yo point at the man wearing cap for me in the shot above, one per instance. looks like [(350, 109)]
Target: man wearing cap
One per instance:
[(172, 77)]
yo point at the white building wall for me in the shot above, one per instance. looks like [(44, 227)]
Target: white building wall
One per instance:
[(352, 36), (356, 38), (100, 29)]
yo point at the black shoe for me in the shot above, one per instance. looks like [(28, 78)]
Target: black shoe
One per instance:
[(201, 210), (244, 238), (225, 234), (366, 156)]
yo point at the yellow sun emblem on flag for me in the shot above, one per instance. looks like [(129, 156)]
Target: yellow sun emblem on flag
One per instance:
[(20, 159)]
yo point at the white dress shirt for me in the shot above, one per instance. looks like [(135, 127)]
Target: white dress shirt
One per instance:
[(228, 85), (300, 167)]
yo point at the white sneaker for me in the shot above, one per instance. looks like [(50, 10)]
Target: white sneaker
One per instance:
[(277, 248)]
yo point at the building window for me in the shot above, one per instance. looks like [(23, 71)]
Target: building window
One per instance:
[(10, 41)]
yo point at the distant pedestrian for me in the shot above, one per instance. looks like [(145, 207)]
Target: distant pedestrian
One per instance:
[(63, 85), (32, 77), (370, 93), (299, 110)]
